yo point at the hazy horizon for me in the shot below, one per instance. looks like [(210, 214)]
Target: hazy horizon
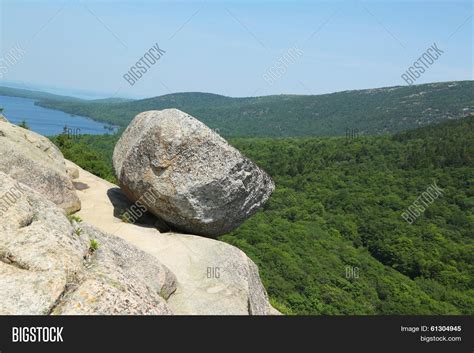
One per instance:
[(91, 96)]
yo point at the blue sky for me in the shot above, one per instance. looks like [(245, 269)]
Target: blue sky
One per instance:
[(85, 47)]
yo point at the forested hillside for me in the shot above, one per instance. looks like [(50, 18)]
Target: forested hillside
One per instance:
[(372, 111), (338, 205)]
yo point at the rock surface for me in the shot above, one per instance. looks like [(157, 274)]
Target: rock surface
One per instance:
[(188, 175), (213, 278), (47, 265), (2, 118), (72, 172), (35, 161)]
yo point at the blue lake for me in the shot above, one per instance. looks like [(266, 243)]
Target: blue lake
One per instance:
[(48, 122)]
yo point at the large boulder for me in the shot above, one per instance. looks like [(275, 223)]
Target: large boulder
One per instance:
[(35, 161), (186, 174), (49, 265)]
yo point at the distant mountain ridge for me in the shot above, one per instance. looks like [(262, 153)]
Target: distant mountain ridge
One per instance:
[(369, 111), (31, 94), (40, 95)]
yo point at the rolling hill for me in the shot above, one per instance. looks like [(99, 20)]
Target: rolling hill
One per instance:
[(370, 112)]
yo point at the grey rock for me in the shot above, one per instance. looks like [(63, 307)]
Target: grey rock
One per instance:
[(188, 175), (35, 161), (47, 265)]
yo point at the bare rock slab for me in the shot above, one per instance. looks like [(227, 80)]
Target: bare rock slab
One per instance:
[(47, 265), (35, 161), (213, 278)]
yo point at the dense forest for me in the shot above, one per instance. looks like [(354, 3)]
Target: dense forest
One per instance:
[(339, 202), (370, 111), (336, 212)]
